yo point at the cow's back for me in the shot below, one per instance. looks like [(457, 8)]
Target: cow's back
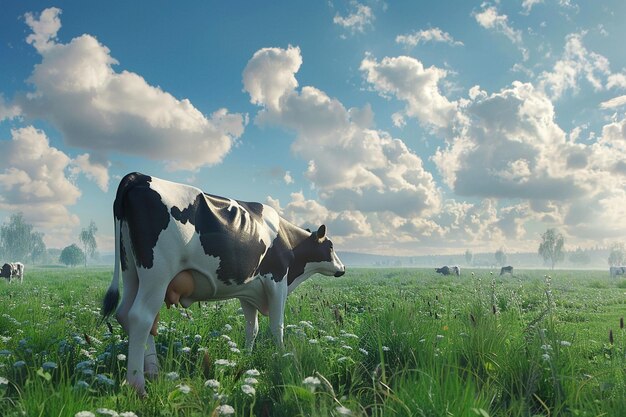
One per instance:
[(172, 218)]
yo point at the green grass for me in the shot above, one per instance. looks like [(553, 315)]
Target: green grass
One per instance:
[(381, 342)]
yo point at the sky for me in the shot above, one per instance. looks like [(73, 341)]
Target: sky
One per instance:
[(407, 127)]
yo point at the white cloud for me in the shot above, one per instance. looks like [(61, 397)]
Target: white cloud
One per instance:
[(529, 4), (429, 35), (96, 108), (35, 181), (614, 102), (361, 17), (8, 111), (288, 178), (408, 80), (576, 62), (489, 19), (617, 80), (352, 166), (95, 171)]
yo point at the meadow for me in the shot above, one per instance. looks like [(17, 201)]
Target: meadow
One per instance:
[(376, 342)]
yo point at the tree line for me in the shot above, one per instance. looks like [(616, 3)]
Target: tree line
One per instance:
[(20, 242)]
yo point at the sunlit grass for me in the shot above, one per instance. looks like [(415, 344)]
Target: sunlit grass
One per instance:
[(377, 342)]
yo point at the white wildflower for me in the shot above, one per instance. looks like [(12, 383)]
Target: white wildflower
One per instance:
[(225, 362), (186, 349), (185, 389), (121, 357), (228, 327), (4, 381), (84, 414), (172, 375), (313, 341), (565, 343), (235, 350), (225, 410), (248, 390), (128, 414), (252, 372), (386, 349), (197, 338), (212, 383), (363, 351), (251, 381), (346, 347), (312, 382), (107, 412)]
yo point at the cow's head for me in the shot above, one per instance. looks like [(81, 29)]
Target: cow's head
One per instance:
[(317, 255)]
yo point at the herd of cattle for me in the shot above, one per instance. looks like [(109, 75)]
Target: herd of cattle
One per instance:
[(456, 270), (11, 271)]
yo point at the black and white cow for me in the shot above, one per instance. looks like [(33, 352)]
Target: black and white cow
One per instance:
[(506, 270), (174, 242), (12, 270), (617, 270)]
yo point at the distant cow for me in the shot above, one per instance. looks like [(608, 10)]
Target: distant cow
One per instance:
[(12, 270), (456, 270), (444, 270), (506, 269), (617, 270), (174, 243)]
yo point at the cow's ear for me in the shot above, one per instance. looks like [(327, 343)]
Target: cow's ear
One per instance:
[(308, 230), (321, 232)]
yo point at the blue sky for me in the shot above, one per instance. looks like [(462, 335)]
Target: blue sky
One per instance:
[(406, 127)]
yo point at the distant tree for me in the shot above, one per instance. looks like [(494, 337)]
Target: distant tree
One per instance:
[(579, 257), (469, 256), (37, 248), (72, 255), (18, 241), (500, 256), (88, 238), (617, 254), (551, 247)]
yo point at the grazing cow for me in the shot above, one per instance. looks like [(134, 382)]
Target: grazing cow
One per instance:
[(12, 270), (456, 270), (175, 243), (444, 270), (506, 269), (617, 270)]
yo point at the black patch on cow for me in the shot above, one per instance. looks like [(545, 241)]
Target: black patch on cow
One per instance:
[(146, 215), (226, 232), (123, 259), (5, 272), (277, 259), (310, 250)]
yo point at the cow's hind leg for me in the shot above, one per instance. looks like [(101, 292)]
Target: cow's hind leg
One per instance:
[(140, 342), (252, 323)]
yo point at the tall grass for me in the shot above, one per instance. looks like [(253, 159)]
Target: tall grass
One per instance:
[(393, 342)]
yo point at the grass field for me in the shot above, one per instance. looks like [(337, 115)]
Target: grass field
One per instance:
[(376, 342)]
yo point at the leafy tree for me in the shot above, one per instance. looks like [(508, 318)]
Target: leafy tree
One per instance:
[(551, 247), (18, 241), (579, 257), (72, 255), (617, 255), (501, 256), (469, 256), (88, 238)]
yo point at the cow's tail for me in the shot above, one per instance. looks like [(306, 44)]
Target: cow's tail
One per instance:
[(112, 297)]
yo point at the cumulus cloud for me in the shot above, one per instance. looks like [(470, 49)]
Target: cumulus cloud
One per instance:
[(76, 88), (490, 19), (95, 171), (8, 110), (35, 180), (575, 63), (352, 166), (359, 18), (527, 5), (428, 35), (408, 80)]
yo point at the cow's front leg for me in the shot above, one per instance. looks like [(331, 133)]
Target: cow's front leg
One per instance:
[(277, 300), (252, 323)]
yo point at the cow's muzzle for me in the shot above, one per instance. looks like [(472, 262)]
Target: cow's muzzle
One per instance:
[(340, 273)]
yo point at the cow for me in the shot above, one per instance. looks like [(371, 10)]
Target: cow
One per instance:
[(506, 269), (444, 270), (177, 244), (617, 270), (12, 270), (456, 270)]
